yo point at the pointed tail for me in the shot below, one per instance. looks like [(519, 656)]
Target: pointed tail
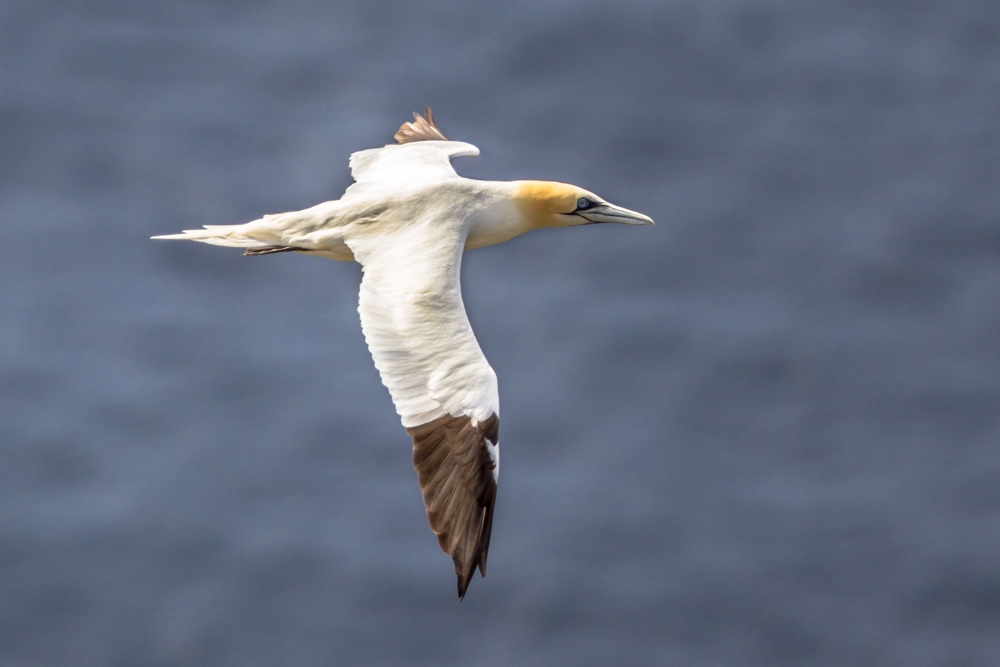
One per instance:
[(230, 236), (279, 232)]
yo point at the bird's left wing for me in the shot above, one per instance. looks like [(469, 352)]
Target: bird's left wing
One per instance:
[(422, 155), (444, 390), (415, 163)]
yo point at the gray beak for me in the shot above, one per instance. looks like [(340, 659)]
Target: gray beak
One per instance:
[(610, 213)]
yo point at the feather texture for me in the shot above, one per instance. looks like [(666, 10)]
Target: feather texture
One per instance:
[(416, 327), (452, 457), (421, 128)]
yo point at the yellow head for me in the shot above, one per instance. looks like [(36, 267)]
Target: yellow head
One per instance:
[(551, 204)]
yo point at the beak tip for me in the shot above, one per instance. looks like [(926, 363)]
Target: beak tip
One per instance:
[(611, 213)]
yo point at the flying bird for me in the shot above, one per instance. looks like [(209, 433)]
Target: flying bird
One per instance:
[(407, 219)]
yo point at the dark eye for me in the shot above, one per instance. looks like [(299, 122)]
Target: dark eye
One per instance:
[(583, 203)]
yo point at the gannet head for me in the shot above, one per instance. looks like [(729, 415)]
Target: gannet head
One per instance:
[(551, 204)]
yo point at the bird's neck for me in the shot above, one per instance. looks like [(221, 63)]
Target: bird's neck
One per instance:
[(501, 215)]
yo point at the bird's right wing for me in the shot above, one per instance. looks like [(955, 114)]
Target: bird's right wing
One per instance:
[(443, 388)]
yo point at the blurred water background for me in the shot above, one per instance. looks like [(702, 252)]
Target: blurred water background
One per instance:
[(764, 432)]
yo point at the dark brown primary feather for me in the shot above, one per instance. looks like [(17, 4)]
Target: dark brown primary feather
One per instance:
[(422, 128), (270, 249), (456, 479)]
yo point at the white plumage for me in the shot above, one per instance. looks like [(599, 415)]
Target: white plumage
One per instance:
[(407, 219), (415, 323)]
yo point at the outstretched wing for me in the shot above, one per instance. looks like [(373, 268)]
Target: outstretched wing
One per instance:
[(444, 390), (423, 155), (455, 459)]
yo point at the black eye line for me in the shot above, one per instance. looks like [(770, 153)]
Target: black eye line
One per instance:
[(590, 204)]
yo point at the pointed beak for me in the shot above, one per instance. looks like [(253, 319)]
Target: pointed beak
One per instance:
[(610, 213)]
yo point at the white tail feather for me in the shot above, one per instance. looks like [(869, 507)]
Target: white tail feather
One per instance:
[(222, 235), (317, 229)]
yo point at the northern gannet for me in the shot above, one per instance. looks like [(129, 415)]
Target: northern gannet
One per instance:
[(406, 220)]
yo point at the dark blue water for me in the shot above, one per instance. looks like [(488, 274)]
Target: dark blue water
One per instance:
[(764, 432)]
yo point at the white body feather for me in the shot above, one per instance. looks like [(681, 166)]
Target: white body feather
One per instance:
[(406, 219)]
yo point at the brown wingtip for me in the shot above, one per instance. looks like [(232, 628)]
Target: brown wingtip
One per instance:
[(421, 128), (465, 578), (455, 471)]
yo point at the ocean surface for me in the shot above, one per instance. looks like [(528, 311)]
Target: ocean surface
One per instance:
[(765, 431)]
